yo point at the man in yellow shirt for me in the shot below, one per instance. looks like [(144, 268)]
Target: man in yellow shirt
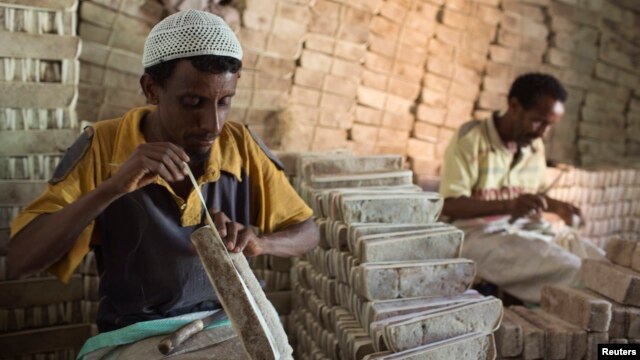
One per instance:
[(122, 188), (493, 183)]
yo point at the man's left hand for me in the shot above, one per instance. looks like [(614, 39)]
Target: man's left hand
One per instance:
[(237, 237)]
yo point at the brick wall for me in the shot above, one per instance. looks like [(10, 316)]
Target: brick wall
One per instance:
[(395, 76), (400, 76)]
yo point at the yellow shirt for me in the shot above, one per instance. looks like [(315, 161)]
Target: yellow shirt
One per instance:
[(477, 164), (274, 204)]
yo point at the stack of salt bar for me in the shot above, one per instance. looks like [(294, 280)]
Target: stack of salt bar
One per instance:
[(616, 282), (573, 321), (39, 316), (608, 197), (386, 281), (274, 273)]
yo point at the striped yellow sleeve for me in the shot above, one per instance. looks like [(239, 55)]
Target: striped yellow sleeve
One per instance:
[(78, 181), (459, 173), (274, 203)]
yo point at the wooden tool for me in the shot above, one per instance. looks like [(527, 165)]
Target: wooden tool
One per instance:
[(172, 342)]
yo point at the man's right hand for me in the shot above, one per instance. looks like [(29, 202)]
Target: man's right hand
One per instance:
[(527, 205), (145, 163)]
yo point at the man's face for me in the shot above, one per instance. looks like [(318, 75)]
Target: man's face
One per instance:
[(533, 123), (193, 106)]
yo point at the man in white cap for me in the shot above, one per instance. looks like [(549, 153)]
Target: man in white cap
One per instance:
[(122, 190)]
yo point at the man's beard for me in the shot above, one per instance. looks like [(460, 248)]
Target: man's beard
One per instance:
[(198, 158)]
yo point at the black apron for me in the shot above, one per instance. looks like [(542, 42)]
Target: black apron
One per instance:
[(148, 267)]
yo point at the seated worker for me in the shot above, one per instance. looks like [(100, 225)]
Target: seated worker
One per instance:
[(493, 183), (122, 190)]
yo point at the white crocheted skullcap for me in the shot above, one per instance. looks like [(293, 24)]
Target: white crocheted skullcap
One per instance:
[(190, 33)]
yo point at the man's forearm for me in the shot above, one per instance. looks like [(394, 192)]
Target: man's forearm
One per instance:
[(468, 208), (50, 236), (295, 240), (569, 213)]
